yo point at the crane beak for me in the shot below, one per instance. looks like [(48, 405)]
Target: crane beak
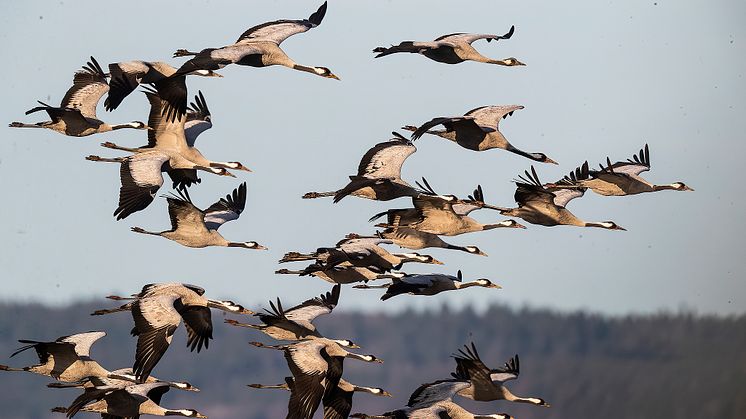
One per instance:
[(437, 262), (333, 76), (548, 160), (386, 394), (494, 286)]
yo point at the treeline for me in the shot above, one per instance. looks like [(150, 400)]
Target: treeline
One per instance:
[(586, 366)]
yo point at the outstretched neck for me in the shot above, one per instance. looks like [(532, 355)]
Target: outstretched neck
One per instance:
[(532, 156), (179, 412), (366, 358), (454, 247), (594, 224), (491, 226), (364, 389), (118, 126), (513, 398), (505, 62), (671, 186), (312, 70), (461, 285)]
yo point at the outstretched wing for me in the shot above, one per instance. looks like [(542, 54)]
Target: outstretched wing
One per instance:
[(437, 391), (490, 116), (227, 209), (198, 322), (471, 37), (141, 178), (308, 310), (638, 164), (529, 189), (475, 202), (156, 320), (88, 87), (164, 132), (312, 373), (198, 119), (82, 341), (281, 30), (436, 205), (463, 125), (125, 77), (185, 217), (337, 403), (509, 372), (385, 160), (564, 195)]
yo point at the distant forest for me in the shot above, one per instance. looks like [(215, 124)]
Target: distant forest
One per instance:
[(586, 366)]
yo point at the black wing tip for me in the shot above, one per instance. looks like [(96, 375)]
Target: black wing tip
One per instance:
[(318, 15)]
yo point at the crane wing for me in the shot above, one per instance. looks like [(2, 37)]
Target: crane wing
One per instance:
[(437, 391), (465, 126), (165, 132), (198, 119), (529, 189), (337, 403), (564, 195), (88, 87), (83, 341), (198, 322), (156, 320), (490, 116), (280, 30), (471, 37), (226, 209), (185, 217), (314, 307), (385, 160), (141, 177), (311, 372), (633, 167)]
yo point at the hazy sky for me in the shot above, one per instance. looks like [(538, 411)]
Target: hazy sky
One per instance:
[(603, 78)]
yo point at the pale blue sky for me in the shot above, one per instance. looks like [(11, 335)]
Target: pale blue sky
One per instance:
[(602, 79)]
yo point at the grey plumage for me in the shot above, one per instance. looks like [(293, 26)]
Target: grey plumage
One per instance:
[(158, 310), (545, 204), (621, 178), (488, 384), (451, 49), (259, 46), (379, 173), (130, 402), (295, 323), (441, 214), (66, 359), (196, 228), (316, 366), (76, 115), (477, 130), (427, 284)]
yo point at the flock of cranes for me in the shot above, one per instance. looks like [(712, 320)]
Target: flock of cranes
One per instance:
[(315, 361)]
